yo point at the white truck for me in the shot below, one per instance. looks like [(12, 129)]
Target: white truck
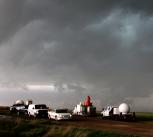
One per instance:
[(85, 108), (37, 110), (59, 114), (79, 109), (20, 107), (118, 113)]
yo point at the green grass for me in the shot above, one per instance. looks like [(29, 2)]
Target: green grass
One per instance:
[(93, 133), (142, 116), (78, 132), (4, 110), (24, 127), (19, 127)]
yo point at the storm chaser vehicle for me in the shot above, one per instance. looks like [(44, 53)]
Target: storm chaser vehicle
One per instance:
[(38, 110)]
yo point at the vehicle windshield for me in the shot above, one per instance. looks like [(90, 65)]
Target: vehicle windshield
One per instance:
[(16, 105), (40, 107), (61, 111)]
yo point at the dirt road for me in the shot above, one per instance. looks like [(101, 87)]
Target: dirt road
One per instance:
[(133, 128)]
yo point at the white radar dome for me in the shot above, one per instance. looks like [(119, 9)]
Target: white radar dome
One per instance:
[(19, 102), (124, 108)]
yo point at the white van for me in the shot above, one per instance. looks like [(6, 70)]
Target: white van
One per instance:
[(37, 110)]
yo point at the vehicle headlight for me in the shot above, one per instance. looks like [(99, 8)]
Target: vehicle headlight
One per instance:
[(36, 112), (60, 115)]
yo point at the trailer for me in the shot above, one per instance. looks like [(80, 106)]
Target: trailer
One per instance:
[(118, 113), (85, 109)]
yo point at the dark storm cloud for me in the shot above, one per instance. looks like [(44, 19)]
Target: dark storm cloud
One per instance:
[(10, 15), (102, 48)]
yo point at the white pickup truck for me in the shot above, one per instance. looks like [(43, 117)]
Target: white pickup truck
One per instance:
[(37, 110), (59, 114), (122, 112)]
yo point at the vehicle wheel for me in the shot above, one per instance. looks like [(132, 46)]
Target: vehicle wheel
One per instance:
[(29, 114), (56, 118), (18, 113), (34, 116), (49, 117)]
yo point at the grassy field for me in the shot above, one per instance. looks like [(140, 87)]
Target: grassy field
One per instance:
[(4, 110), (43, 128), (142, 116), (25, 127)]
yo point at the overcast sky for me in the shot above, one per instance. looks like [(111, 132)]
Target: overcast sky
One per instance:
[(102, 48)]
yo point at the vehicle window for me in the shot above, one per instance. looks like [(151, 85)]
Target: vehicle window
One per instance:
[(61, 111), (40, 107), (109, 108), (16, 105)]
